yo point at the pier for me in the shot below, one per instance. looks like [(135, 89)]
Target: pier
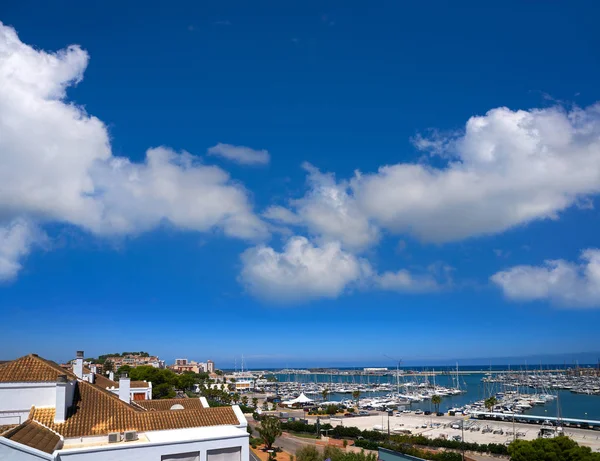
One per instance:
[(532, 419)]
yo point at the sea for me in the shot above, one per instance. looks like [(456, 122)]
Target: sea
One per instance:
[(568, 405)]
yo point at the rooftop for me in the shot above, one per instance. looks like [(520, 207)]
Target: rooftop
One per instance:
[(96, 411), (31, 369), (34, 435)]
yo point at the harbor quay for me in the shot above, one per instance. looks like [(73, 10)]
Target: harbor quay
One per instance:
[(450, 427)]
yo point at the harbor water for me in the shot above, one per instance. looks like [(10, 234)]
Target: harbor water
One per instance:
[(567, 405)]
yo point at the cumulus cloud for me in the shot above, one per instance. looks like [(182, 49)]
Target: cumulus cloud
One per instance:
[(240, 154), (16, 239), (507, 169), (329, 212), (436, 278), (57, 164), (562, 282), (281, 215), (305, 271), (301, 272)]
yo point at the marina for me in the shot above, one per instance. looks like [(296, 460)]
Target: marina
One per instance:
[(550, 392)]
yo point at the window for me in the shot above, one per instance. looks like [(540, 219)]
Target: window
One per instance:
[(191, 456), (224, 454)]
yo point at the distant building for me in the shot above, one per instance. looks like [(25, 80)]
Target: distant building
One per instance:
[(50, 413), (374, 370), (182, 365), (134, 360)]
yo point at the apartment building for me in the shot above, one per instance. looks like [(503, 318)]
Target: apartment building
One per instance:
[(49, 413)]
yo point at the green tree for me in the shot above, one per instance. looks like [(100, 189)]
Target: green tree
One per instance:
[(163, 391), (356, 396), (245, 400), (490, 403), (185, 381), (255, 402), (124, 369), (108, 366), (269, 430), (308, 453), (274, 406), (265, 405), (236, 398), (557, 449), (436, 400), (325, 393)]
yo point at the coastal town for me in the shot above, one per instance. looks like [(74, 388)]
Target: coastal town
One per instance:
[(299, 230), (133, 405)]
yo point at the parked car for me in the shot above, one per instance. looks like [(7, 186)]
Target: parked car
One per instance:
[(363, 413), (418, 412), (427, 412), (439, 413), (348, 415)]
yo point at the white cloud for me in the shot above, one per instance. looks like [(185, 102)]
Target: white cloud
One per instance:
[(301, 272), (57, 164), (240, 154), (509, 168), (404, 281), (281, 215), (16, 239), (559, 281), (329, 212)]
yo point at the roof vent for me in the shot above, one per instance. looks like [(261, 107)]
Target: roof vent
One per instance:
[(177, 406), (130, 436), (114, 437), (79, 354), (62, 378)]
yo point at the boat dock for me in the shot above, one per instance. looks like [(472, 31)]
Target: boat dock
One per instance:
[(532, 419)]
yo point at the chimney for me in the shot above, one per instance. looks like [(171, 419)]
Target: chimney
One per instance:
[(125, 388), (61, 399), (111, 376), (78, 368)]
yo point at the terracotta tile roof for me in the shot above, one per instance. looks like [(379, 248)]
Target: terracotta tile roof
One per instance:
[(34, 435), (6, 427), (104, 382), (99, 412), (31, 369), (166, 404), (180, 419), (95, 411)]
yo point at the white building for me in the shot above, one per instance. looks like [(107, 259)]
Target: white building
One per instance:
[(49, 413)]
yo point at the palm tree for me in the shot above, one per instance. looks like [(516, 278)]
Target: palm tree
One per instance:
[(235, 397), (269, 430), (436, 400), (255, 402), (356, 396), (490, 403), (245, 400), (325, 393)]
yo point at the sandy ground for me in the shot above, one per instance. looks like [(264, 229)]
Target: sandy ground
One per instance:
[(438, 426)]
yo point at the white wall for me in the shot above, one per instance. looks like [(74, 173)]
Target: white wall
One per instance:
[(10, 451), (18, 398), (137, 451)]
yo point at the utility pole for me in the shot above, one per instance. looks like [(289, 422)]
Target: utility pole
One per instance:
[(462, 442)]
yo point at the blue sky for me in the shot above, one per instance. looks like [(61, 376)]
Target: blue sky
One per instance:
[(301, 183)]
